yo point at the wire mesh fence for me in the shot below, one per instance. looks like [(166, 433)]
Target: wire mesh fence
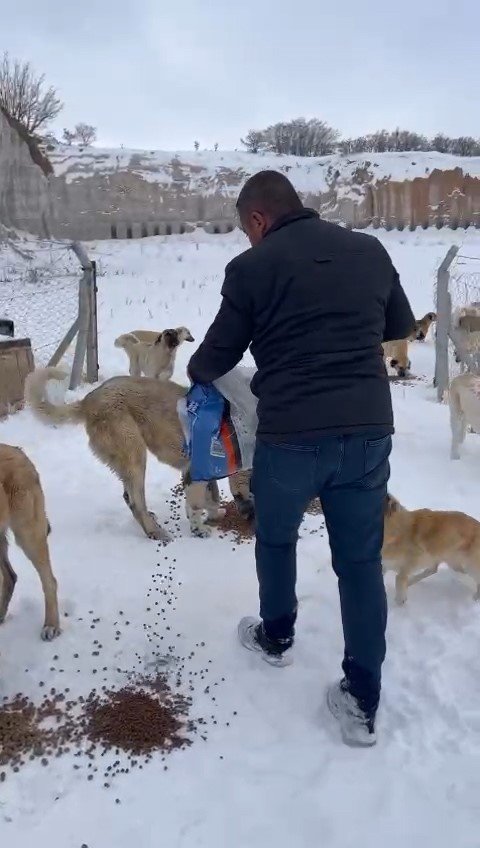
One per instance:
[(48, 290), (39, 292), (458, 317)]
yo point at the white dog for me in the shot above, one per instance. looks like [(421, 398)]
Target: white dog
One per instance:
[(153, 354)]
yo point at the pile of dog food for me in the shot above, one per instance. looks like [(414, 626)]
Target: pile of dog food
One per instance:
[(139, 719), (136, 720), (235, 524), (29, 731)]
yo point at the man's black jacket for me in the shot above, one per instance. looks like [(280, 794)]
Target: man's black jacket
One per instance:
[(314, 301)]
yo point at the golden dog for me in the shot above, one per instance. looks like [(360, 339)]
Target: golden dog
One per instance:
[(416, 542), (124, 418), (22, 509)]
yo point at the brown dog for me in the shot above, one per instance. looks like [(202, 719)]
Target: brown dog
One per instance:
[(396, 353), (416, 542), (422, 326), (124, 418), (22, 509), (153, 354)]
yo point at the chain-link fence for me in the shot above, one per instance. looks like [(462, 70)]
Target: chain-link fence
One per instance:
[(458, 316), (41, 290)]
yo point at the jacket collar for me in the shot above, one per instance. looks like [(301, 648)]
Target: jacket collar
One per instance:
[(290, 218)]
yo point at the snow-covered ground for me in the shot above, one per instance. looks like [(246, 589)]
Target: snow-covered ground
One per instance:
[(273, 771)]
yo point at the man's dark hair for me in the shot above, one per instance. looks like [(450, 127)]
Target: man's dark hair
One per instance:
[(269, 192)]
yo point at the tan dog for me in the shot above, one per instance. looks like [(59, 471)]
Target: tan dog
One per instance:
[(422, 326), (124, 418), (153, 354), (416, 542), (464, 403), (396, 352), (22, 509)]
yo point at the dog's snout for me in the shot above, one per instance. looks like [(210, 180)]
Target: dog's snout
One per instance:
[(189, 338)]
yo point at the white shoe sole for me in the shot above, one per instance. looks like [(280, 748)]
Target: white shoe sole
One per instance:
[(245, 629), (354, 734)]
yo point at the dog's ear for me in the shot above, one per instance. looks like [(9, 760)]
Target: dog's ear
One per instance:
[(391, 505), (432, 316), (170, 338), (159, 338)]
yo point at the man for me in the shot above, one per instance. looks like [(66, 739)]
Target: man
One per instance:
[(314, 301)]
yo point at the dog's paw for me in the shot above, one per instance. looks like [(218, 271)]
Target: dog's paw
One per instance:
[(159, 535), (48, 633), (219, 514), (245, 507)]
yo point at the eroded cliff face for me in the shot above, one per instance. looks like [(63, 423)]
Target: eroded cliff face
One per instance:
[(25, 195), (93, 193), (124, 194)]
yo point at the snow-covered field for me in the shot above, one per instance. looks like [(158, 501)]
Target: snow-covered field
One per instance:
[(273, 771)]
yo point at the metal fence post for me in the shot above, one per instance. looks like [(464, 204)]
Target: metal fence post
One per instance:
[(444, 312), (92, 336)]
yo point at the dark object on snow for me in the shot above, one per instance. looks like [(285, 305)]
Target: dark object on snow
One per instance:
[(7, 328)]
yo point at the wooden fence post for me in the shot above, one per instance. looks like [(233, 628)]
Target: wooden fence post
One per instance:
[(83, 324), (87, 339)]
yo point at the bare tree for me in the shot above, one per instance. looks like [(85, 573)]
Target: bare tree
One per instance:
[(86, 134), (196, 145), (465, 145), (254, 141), (69, 136), (313, 137), (298, 138), (83, 134), (24, 96), (441, 143)]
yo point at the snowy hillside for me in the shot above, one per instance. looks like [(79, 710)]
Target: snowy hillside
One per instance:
[(273, 771), (204, 170)]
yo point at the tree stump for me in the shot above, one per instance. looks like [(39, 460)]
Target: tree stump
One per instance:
[(16, 361)]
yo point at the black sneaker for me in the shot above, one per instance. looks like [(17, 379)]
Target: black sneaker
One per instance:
[(253, 637), (356, 727)]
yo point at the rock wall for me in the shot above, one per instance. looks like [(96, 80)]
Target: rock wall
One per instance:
[(92, 193), (129, 194), (25, 194)]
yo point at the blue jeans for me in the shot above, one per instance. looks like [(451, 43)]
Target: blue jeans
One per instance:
[(350, 475)]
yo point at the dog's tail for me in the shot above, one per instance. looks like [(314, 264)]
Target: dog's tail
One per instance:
[(126, 340), (36, 397)]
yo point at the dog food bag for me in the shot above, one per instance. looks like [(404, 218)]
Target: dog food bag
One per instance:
[(210, 438), (219, 424), (235, 387)]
